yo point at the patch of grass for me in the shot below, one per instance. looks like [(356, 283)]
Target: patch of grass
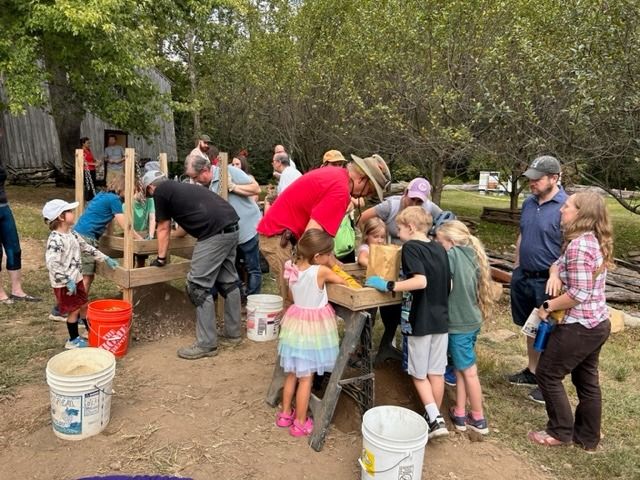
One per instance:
[(17, 355)]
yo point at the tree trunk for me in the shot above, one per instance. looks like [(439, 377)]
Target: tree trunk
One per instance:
[(193, 83), (515, 191), (437, 180), (67, 112)]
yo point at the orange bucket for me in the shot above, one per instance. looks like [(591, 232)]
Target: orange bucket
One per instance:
[(109, 325)]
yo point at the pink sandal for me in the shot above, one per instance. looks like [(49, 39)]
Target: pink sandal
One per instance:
[(301, 430), (285, 420), (543, 438)]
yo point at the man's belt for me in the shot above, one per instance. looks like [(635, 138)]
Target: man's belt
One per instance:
[(535, 273)]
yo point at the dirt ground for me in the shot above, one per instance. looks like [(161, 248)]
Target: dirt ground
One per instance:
[(207, 419)]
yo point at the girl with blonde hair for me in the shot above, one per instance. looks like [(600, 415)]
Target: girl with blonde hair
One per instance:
[(574, 344), (374, 232), (469, 303)]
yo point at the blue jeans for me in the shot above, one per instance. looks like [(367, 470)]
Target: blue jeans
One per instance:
[(250, 253), (9, 239)]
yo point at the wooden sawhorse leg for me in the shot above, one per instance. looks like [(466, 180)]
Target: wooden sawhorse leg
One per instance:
[(323, 409)]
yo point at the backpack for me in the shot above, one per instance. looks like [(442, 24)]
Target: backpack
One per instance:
[(345, 240)]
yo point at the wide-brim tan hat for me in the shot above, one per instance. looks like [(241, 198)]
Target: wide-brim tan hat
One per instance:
[(333, 156), (376, 169)]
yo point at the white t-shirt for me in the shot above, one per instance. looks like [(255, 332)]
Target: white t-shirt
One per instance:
[(287, 177)]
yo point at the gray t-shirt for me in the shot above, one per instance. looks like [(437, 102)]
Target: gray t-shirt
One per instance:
[(388, 210), (245, 207), (116, 152)]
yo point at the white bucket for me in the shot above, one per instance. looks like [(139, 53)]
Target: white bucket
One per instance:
[(393, 442), (80, 382), (263, 317)]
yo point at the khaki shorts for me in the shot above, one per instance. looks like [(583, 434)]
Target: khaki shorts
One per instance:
[(89, 261)]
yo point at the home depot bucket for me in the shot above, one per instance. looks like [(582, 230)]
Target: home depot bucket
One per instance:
[(263, 317), (109, 324), (80, 382), (393, 442)]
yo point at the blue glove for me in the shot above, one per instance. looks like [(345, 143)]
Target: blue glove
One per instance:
[(377, 282), (111, 263), (71, 286)]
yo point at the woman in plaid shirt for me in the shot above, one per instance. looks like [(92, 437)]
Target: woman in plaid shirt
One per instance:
[(574, 346)]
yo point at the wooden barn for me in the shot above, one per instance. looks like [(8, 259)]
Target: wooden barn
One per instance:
[(31, 143)]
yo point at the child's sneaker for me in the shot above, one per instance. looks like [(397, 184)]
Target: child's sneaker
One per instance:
[(301, 429), (459, 422), (77, 342), (285, 421), (437, 428), (450, 377), (480, 426), (56, 316)]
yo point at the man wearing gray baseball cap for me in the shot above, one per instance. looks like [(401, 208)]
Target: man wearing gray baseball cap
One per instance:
[(537, 247)]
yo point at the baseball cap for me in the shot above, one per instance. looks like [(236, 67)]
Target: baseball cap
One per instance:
[(419, 188), (333, 156), (376, 169), (205, 138), (150, 177), (541, 166), (54, 208)]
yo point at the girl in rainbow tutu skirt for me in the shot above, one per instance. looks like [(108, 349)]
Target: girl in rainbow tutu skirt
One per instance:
[(308, 342)]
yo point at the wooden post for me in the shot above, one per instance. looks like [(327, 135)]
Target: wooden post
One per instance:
[(164, 166), (129, 191), (223, 159), (79, 181)]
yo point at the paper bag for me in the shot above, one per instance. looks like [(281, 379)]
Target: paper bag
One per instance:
[(384, 261)]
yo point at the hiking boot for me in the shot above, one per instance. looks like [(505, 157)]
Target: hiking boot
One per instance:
[(459, 422), (525, 377), (77, 342), (194, 352), (480, 426), (450, 377), (437, 428), (536, 396), (229, 341)]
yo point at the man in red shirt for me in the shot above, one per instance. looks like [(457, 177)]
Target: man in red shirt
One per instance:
[(318, 199)]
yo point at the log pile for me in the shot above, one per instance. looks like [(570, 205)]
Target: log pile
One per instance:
[(31, 176), (623, 283), (504, 216)]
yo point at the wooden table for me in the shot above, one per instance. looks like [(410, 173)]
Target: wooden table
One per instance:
[(354, 306)]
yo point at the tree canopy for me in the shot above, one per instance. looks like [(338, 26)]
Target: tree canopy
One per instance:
[(438, 87)]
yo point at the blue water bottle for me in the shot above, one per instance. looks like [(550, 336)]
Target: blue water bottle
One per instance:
[(542, 336)]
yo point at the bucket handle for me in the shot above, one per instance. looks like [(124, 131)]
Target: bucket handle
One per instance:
[(386, 470), (103, 391)]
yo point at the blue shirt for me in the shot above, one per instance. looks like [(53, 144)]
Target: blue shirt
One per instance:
[(245, 207), (540, 230), (98, 215)]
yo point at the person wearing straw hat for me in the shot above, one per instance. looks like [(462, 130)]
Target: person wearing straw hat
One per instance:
[(318, 199), (63, 260), (213, 222)]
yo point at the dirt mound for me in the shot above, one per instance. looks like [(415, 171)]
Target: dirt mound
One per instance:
[(161, 310)]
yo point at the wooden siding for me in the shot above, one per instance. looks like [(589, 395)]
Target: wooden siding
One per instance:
[(31, 140)]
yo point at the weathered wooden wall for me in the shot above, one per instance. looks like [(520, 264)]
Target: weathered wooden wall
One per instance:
[(31, 140)]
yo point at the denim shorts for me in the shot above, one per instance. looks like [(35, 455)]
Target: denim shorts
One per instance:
[(462, 349)]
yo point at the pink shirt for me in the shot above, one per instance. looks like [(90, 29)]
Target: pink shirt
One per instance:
[(577, 267)]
